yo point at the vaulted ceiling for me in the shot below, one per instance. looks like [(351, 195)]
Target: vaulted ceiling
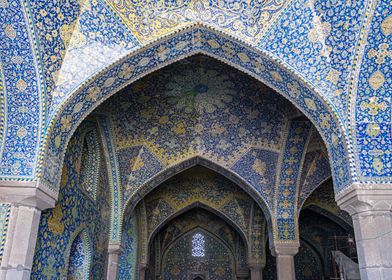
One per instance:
[(331, 54)]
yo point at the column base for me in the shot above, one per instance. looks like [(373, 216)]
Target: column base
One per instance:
[(370, 206), (114, 252), (26, 202), (256, 272), (284, 253)]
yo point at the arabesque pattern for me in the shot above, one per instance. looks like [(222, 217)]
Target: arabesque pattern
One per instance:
[(149, 20), (325, 45)]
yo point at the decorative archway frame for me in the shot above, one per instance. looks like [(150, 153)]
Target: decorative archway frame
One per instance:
[(210, 209), (285, 222), (88, 249), (113, 174), (196, 39), (167, 173), (206, 232), (22, 94)]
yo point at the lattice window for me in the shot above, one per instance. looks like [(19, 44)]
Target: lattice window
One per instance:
[(198, 245)]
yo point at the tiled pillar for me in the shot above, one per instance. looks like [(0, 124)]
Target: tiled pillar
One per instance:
[(284, 253), (114, 252), (370, 207), (26, 206)]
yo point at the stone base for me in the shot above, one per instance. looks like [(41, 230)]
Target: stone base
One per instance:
[(284, 253), (370, 207), (26, 202), (114, 252)]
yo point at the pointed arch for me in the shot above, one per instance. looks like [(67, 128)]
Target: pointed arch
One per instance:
[(196, 39), (204, 232), (214, 211), (110, 155), (170, 172)]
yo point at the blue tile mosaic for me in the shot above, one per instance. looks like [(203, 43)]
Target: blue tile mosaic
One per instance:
[(48, 48)]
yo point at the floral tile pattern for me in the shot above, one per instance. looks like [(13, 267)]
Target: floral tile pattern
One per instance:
[(336, 47), (149, 20), (328, 61)]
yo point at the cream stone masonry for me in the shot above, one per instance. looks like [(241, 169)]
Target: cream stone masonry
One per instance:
[(284, 253), (243, 274), (370, 206), (27, 202), (114, 252), (142, 271), (256, 271)]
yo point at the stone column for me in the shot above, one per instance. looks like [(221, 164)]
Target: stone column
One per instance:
[(370, 207), (256, 271), (242, 273), (284, 253), (142, 271), (26, 202), (114, 252)]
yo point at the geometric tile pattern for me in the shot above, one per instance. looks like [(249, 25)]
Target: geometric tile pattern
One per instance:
[(79, 257), (287, 185), (169, 122), (198, 219), (309, 37), (258, 168), (161, 121), (77, 40), (202, 187), (315, 171), (113, 177), (89, 163)]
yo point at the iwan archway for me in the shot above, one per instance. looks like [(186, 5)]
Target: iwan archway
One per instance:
[(195, 112), (313, 105)]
